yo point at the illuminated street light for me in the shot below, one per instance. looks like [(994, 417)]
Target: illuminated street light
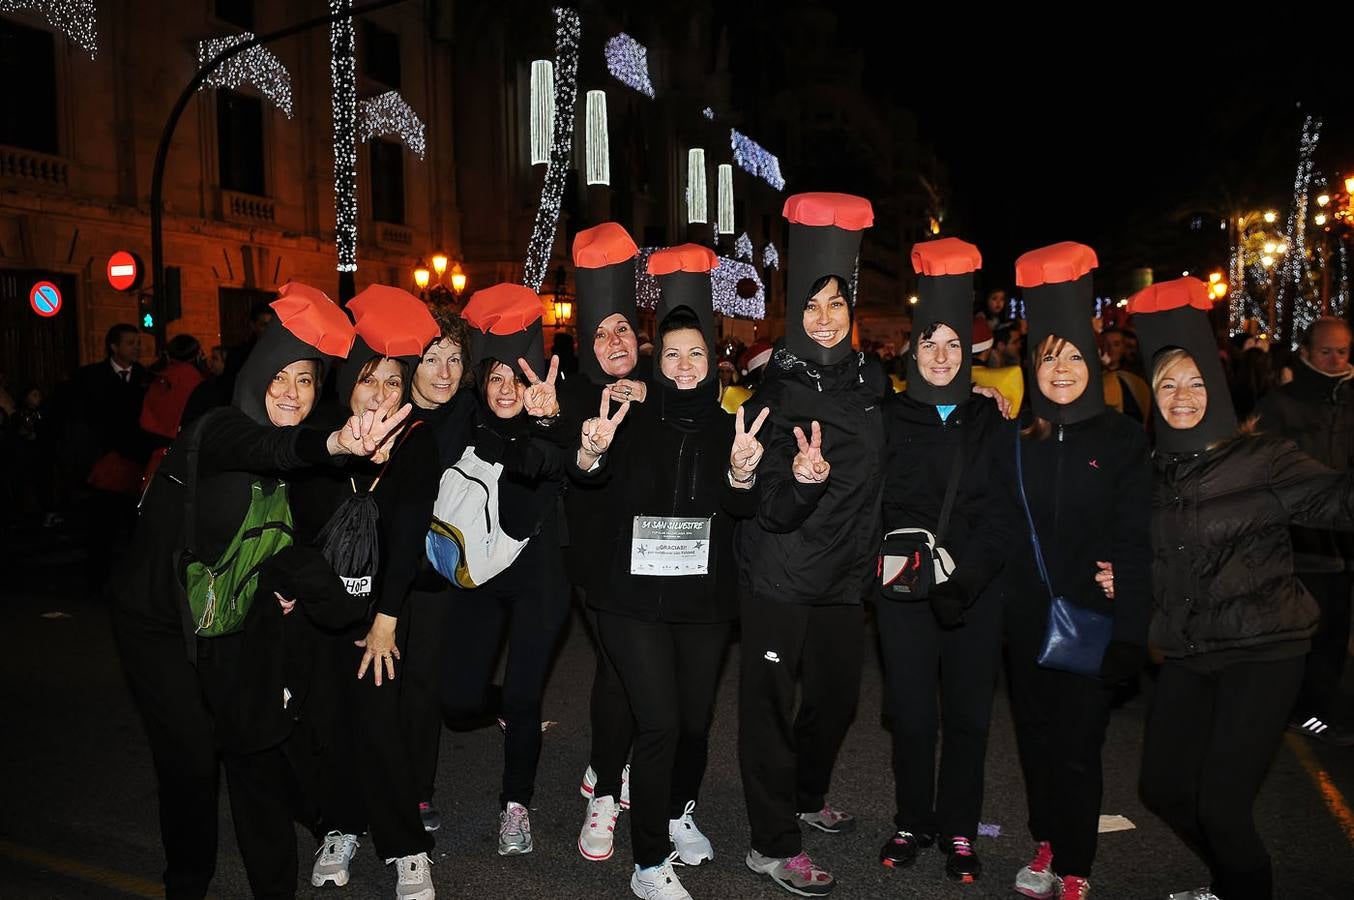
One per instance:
[(1271, 216)]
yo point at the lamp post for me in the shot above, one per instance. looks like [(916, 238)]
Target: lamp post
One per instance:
[(431, 286)]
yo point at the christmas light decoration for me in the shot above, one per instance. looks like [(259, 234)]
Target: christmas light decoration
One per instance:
[(389, 113), (697, 199), (754, 159), (742, 248), (724, 281), (256, 67), (343, 78), (628, 62), (724, 213), (599, 151), (542, 110), (770, 257), (76, 19), (1301, 307), (1340, 302), (709, 113), (568, 28)]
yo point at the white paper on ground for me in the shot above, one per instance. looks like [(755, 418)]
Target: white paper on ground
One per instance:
[(1115, 823)]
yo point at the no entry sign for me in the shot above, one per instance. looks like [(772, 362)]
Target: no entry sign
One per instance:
[(45, 298), (124, 270)]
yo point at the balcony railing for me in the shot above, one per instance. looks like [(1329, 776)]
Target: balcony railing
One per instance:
[(29, 165), (249, 208)]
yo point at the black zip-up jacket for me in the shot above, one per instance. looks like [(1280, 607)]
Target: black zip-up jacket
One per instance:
[(1222, 564), (1089, 487), (678, 467), (921, 453), (1316, 412), (816, 544)]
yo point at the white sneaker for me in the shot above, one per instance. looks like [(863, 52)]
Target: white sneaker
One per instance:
[(414, 879), (598, 838), (590, 781), (332, 859), (692, 847), (514, 831), (658, 883), (1202, 893)]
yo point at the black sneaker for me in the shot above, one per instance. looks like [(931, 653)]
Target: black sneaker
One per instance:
[(962, 863), (432, 819), (1321, 730), (900, 851)]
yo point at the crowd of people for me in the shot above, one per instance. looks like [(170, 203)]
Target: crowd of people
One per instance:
[(393, 488)]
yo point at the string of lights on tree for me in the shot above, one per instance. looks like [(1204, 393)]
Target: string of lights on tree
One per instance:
[(1295, 272), (729, 281), (628, 62), (770, 257), (568, 29), (76, 19), (256, 67), (390, 114), (343, 76)]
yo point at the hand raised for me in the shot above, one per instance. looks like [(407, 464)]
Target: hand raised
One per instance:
[(540, 399), (747, 451), (809, 466)]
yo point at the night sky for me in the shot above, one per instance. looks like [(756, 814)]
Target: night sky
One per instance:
[(1118, 137)]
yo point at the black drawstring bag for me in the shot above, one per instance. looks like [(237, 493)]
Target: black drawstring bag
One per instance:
[(351, 540)]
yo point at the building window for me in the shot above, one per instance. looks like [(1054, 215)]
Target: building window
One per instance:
[(239, 142), (381, 55), (387, 181), (28, 116), (239, 13)]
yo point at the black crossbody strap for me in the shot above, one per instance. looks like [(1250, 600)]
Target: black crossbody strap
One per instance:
[(951, 491), (1029, 517)]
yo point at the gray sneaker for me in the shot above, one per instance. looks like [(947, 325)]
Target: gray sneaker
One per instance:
[(332, 859), (414, 877), (829, 820), (1196, 894), (1038, 880), (514, 831), (798, 874)]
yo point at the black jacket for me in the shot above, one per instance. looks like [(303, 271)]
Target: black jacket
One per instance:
[(1222, 566), (1089, 487), (668, 465), (1316, 412), (816, 543)]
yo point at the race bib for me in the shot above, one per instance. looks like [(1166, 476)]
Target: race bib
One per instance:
[(670, 546)]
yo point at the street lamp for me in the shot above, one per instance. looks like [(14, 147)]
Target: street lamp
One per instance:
[(439, 294)]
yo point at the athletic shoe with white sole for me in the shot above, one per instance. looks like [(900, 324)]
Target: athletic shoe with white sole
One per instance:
[(333, 858), (829, 820), (797, 874), (590, 781), (414, 878), (692, 847), (1037, 879), (658, 883), (514, 831), (597, 840)]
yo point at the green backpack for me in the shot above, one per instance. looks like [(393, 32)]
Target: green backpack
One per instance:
[(220, 594)]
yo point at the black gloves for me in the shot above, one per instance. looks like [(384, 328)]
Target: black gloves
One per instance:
[(948, 602), (1122, 661)]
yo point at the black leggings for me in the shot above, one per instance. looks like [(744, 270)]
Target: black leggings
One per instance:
[(787, 755), (958, 666), (532, 610), (419, 635), (1060, 722), (670, 673), (613, 726), (1209, 742)]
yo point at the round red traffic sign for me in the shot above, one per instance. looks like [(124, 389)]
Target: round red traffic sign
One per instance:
[(124, 270), (45, 298)]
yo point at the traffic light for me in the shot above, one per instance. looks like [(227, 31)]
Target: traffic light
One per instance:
[(145, 302)]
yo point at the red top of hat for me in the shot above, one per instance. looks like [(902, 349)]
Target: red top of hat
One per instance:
[(845, 211), (503, 309), (947, 256), (1172, 294), (603, 245), (682, 258), (392, 321), (310, 315), (982, 332), (1055, 264)]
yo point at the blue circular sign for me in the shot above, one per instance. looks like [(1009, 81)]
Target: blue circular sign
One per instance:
[(45, 298)]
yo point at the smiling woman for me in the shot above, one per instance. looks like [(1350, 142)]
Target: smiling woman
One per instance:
[(827, 314)]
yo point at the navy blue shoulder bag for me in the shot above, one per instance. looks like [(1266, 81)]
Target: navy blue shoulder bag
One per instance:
[(1076, 637)]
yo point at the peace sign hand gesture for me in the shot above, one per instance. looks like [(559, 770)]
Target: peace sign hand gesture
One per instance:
[(598, 432), (747, 450), (540, 400), (365, 433), (808, 466)]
